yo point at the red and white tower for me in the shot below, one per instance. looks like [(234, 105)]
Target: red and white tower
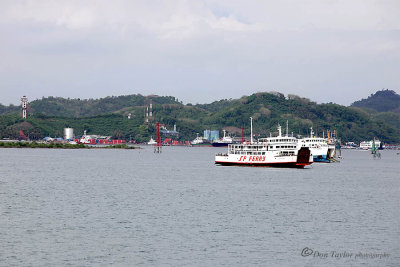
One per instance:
[(24, 104)]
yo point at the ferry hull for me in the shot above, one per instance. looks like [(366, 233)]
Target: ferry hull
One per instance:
[(220, 144), (202, 145), (302, 159), (266, 164)]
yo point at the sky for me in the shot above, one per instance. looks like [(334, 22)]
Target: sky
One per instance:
[(199, 51)]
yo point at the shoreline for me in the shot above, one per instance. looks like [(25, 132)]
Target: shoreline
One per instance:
[(62, 146)]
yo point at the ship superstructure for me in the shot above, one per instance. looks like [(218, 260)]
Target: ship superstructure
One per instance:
[(318, 146), (279, 151)]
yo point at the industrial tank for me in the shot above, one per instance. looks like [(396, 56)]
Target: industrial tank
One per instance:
[(68, 133)]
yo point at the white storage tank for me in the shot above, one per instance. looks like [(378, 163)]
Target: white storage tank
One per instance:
[(68, 133)]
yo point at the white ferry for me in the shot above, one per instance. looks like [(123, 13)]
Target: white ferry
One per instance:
[(318, 146), (280, 151), (367, 145)]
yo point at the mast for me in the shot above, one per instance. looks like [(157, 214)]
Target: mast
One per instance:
[(279, 130), (251, 130), (373, 149), (287, 128)]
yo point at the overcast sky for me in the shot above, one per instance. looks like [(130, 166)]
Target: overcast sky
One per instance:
[(199, 51)]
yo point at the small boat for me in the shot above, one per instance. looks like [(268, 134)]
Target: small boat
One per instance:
[(152, 141), (225, 141), (87, 139), (200, 141)]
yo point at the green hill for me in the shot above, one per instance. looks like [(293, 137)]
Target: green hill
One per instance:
[(381, 101), (108, 116), (9, 109), (61, 107)]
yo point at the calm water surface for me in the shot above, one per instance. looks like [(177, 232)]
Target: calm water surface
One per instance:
[(134, 207)]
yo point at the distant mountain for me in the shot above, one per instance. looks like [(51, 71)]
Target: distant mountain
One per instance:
[(381, 101)]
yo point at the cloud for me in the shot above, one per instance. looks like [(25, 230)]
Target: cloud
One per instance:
[(98, 48)]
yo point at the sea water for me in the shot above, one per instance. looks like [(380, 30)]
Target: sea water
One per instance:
[(177, 208)]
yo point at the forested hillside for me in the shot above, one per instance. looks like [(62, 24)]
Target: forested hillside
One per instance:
[(108, 116), (62, 107)]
